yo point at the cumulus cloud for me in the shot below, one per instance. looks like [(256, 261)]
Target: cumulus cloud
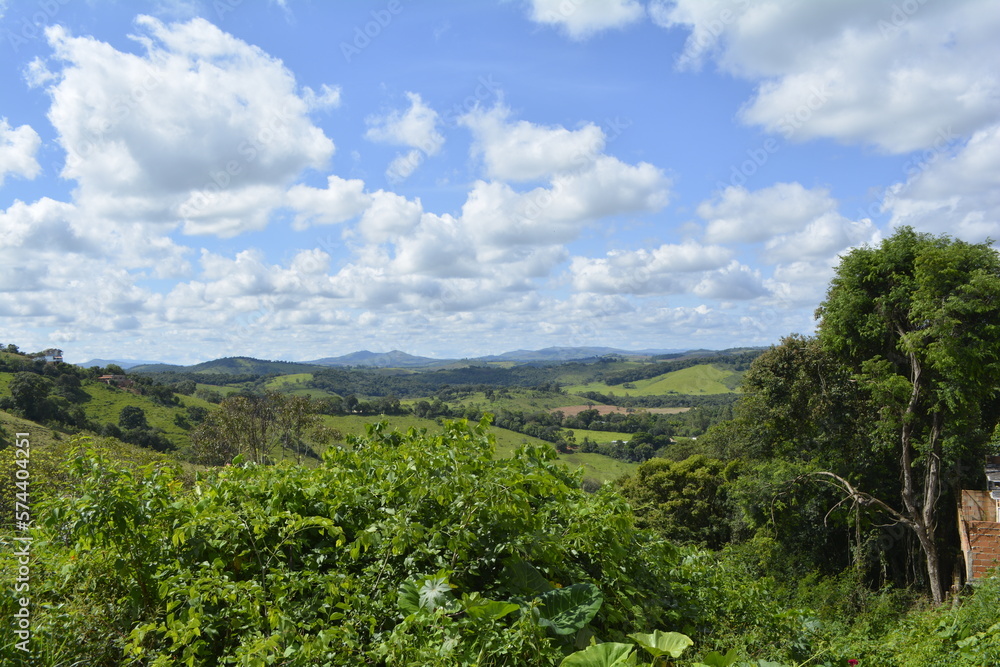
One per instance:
[(203, 128), (893, 75), (669, 269), (734, 282), (952, 192), (416, 128), (390, 216), (59, 271), (800, 232), (581, 19), (739, 215), (18, 147), (523, 151), (340, 201), (328, 97)]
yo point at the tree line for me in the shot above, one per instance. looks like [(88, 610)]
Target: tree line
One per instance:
[(869, 429)]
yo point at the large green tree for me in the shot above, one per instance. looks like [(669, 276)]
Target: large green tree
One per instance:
[(30, 392), (917, 319), (244, 425)]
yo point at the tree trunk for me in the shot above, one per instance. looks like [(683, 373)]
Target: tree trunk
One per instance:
[(922, 515)]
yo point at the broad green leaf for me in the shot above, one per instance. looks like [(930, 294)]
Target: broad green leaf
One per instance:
[(434, 592), (610, 654), (662, 643), (716, 659), (490, 610), (427, 593), (522, 578), (566, 610)]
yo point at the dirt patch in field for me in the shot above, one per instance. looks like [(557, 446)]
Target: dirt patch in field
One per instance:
[(574, 410)]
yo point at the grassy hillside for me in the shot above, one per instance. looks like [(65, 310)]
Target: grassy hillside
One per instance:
[(106, 403), (521, 400), (288, 381), (599, 436), (40, 435), (234, 366), (595, 466), (702, 379)]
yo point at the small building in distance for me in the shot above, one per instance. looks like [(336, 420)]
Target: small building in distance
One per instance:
[(979, 524), (120, 381), (51, 354)]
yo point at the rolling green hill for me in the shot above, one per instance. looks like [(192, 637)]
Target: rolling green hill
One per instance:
[(233, 366), (702, 379), (521, 400)]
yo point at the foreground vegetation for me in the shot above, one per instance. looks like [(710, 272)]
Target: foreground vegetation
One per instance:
[(810, 523), (425, 549)]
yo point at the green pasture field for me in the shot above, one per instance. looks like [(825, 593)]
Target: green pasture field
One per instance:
[(519, 400), (598, 436), (702, 379), (106, 403)]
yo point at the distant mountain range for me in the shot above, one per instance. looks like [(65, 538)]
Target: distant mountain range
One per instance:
[(123, 363), (392, 359), (571, 354)]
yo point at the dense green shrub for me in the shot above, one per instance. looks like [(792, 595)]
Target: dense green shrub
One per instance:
[(289, 565)]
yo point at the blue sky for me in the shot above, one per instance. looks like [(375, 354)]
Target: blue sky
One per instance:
[(292, 180)]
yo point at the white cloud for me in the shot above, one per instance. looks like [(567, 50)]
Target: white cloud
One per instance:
[(403, 165), (609, 187), (952, 193), (889, 74), (581, 19), (415, 128), (58, 270), (18, 147), (822, 238), (203, 129), (339, 202), (669, 269), (734, 282), (739, 215), (390, 216), (523, 151), (328, 97), (802, 234)]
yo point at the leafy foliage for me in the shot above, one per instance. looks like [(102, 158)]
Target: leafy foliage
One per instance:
[(402, 548), (917, 321), (684, 501)]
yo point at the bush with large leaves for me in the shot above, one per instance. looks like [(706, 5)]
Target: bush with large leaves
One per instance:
[(304, 566)]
